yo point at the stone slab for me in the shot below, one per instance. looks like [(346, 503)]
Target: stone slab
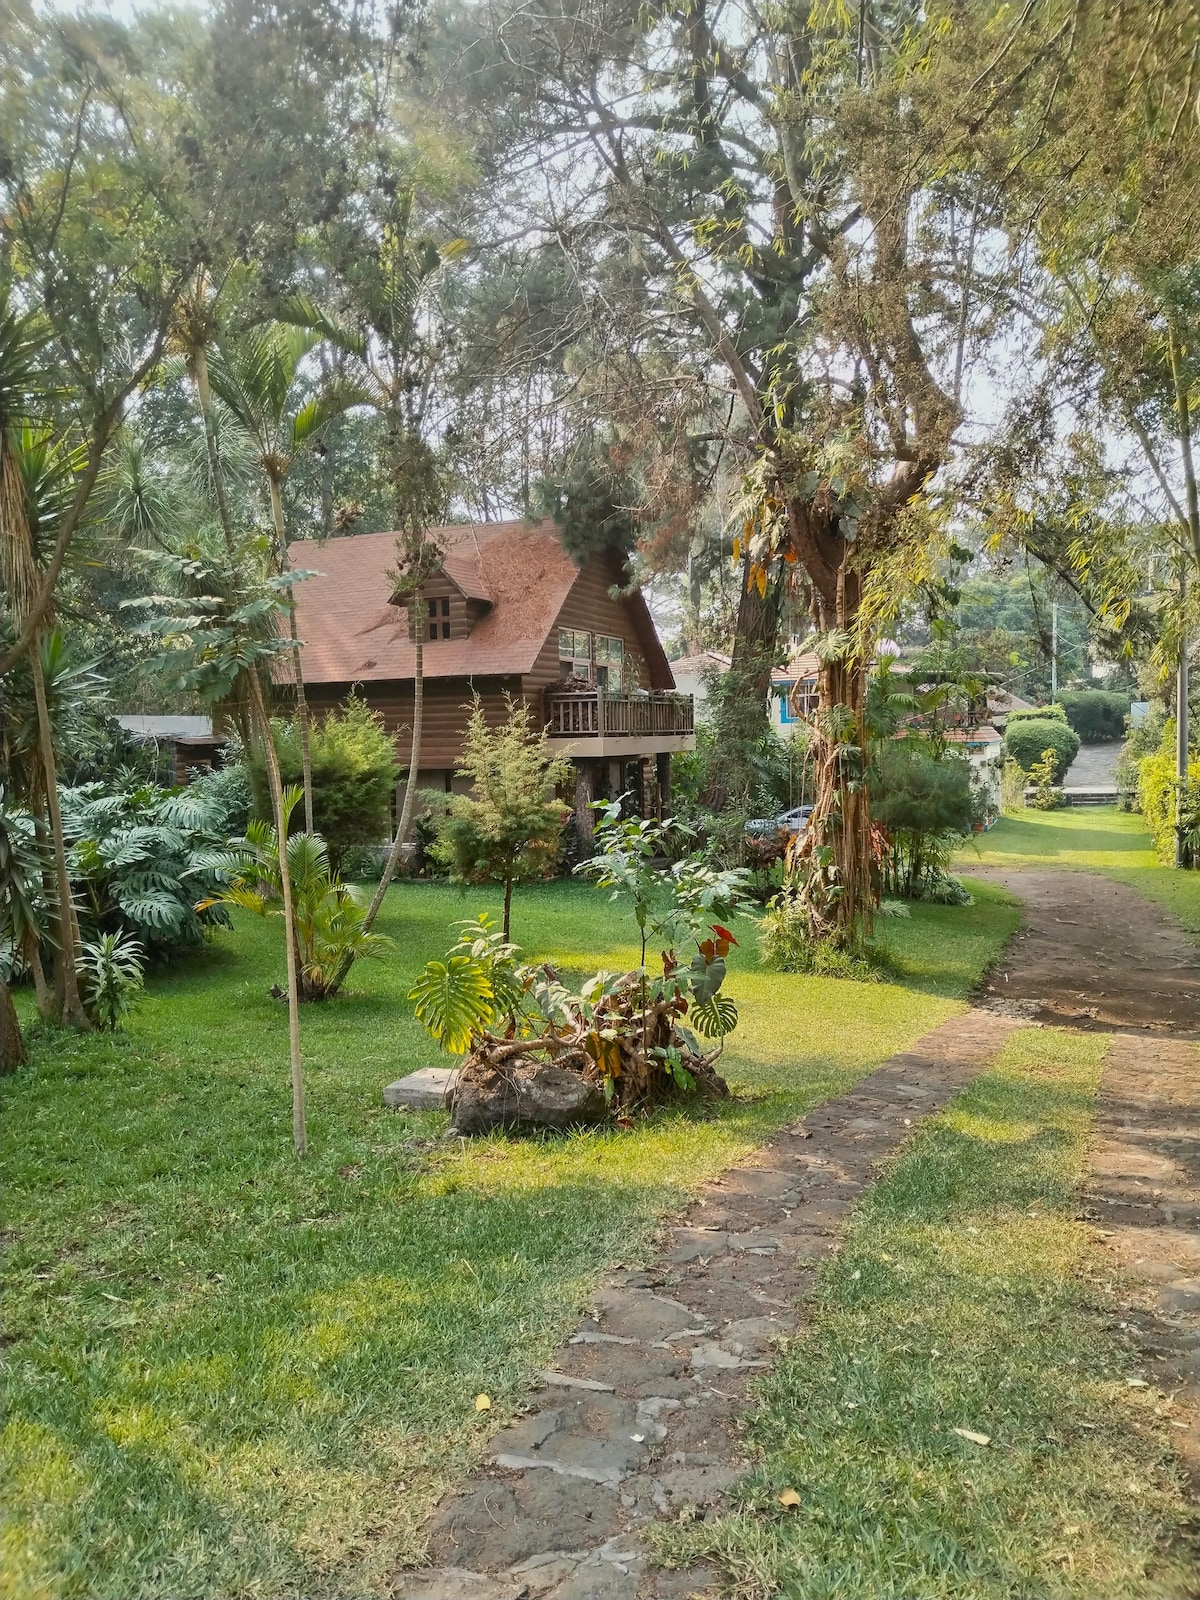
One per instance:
[(428, 1089)]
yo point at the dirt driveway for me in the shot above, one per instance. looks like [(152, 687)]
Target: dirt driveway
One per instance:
[(1093, 953)]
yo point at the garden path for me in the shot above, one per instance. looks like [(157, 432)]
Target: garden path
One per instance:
[(1092, 953), (638, 1418)]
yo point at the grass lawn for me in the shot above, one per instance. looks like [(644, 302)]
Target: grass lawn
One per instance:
[(231, 1374), (967, 1295), (1095, 838)]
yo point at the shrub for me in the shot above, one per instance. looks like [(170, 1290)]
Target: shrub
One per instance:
[(327, 916), (509, 829), (138, 863), (1158, 791), (1047, 795), (354, 772), (230, 791), (110, 971), (925, 804), (1013, 778), (1051, 713), (1027, 740), (786, 944), (1096, 714)]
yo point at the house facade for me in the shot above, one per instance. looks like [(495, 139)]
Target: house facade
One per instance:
[(509, 613)]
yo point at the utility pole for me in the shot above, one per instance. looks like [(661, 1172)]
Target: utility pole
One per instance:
[(1054, 650)]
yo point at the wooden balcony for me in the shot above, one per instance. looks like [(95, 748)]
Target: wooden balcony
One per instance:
[(596, 723)]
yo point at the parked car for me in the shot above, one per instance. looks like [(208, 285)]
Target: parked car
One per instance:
[(793, 821)]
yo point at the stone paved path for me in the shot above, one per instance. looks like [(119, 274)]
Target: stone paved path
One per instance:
[(639, 1413), (1144, 1196)]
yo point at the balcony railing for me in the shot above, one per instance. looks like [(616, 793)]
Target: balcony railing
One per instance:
[(596, 714)]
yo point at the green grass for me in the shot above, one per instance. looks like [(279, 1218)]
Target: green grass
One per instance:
[(1095, 837), (1092, 838), (967, 1295), (234, 1374)]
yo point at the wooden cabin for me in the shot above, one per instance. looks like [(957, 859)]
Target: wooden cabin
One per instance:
[(508, 613)]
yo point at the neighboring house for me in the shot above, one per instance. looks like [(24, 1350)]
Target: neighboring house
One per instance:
[(508, 613), (793, 697), (1000, 703), (189, 742), (694, 673)]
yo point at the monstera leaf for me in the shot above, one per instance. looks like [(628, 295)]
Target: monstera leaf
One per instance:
[(453, 999), (715, 1016)]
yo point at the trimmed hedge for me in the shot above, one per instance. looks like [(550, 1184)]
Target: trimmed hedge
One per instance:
[(1026, 740), (1096, 714), (1054, 713)]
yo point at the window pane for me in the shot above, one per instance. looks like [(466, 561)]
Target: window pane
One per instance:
[(433, 630), (566, 644), (445, 608), (445, 630), (433, 608)]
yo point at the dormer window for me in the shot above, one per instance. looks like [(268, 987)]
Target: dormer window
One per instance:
[(439, 615)]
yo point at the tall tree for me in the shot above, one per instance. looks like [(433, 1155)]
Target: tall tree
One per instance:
[(779, 200)]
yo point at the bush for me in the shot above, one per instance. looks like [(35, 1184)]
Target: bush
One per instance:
[(1047, 795), (110, 972), (354, 771), (229, 790), (1026, 741), (1158, 791), (925, 804), (786, 944), (1051, 713), (1096, 714), (138, 863)]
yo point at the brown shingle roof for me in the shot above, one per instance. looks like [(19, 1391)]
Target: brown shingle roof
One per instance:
[(350, 632)]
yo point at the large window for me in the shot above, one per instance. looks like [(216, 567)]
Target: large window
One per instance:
[(574, 654), (610, 662)]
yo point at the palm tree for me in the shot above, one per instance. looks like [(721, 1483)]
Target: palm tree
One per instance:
[(36, 479), (256, 376), (388, 277)]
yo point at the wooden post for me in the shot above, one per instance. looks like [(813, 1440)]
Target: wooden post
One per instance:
[(662, 771), (585, 817)]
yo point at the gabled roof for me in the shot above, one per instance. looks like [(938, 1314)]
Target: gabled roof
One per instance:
[(350, 631)]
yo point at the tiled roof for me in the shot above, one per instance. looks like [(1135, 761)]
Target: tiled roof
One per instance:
[(350, 632)]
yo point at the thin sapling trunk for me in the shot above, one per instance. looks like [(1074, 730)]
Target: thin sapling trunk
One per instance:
[(281, 559), (66, 976), (275, 783)]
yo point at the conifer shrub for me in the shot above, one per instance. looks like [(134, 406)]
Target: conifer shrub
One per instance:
[(354, 770)]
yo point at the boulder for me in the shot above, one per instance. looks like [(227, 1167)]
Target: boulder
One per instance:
[(525, 1096)]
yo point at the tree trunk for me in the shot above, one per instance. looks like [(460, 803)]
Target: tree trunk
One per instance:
[(835, 855), (204, 395), (410, 788), (12, 1044), (508, 888), (275, 783), (41, 989), (835, 859), (282, 562), (66, 976)]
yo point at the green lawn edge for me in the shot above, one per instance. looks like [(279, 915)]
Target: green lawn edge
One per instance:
[(237, 1374)]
